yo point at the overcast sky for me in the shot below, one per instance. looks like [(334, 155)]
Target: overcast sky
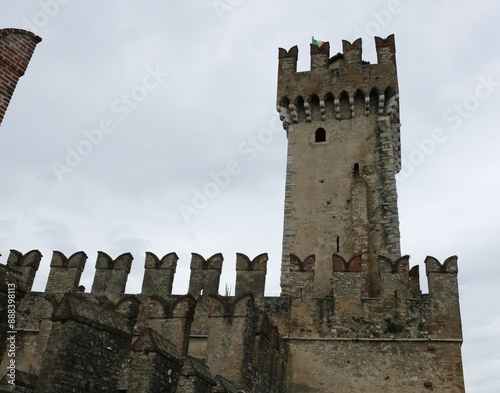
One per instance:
[(183, 93)]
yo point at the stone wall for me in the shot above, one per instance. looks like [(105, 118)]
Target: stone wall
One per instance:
[(86, 347), (67, 339), (109, 341), (374, 365), (348, 341)]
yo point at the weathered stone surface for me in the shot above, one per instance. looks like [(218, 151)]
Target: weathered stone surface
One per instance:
[(373, 365), (159, 274), (85, 349), (195, 377), (65, 272), (156, 364), (111, 275)]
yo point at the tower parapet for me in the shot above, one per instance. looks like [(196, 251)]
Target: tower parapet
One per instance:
[(319, 56), (386, 49), (288, 60), (349, 85), (352, 52)]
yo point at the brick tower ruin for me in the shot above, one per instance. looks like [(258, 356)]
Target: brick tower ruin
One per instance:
[(16, 48), (351, 316)]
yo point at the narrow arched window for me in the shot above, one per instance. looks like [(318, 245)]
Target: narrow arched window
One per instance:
[(320, 135), (356, 170)]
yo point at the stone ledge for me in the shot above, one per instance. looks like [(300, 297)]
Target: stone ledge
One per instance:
[(91, 314)]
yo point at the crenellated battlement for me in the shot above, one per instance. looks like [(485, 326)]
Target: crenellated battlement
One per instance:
[(307, 265), (339, 87), (400, 265), (205, 274), (65, 273), (176, 327), (352, 52), (396, 279), (386, 49), (111, 274), (237, 306), (23, 268), (251, 274), (450, 265), (341, 265), (159, 273), (300, 274), (141, 332)]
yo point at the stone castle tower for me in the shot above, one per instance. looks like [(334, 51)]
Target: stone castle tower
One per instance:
[(357, 319), (342, 122), (351, 316)]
